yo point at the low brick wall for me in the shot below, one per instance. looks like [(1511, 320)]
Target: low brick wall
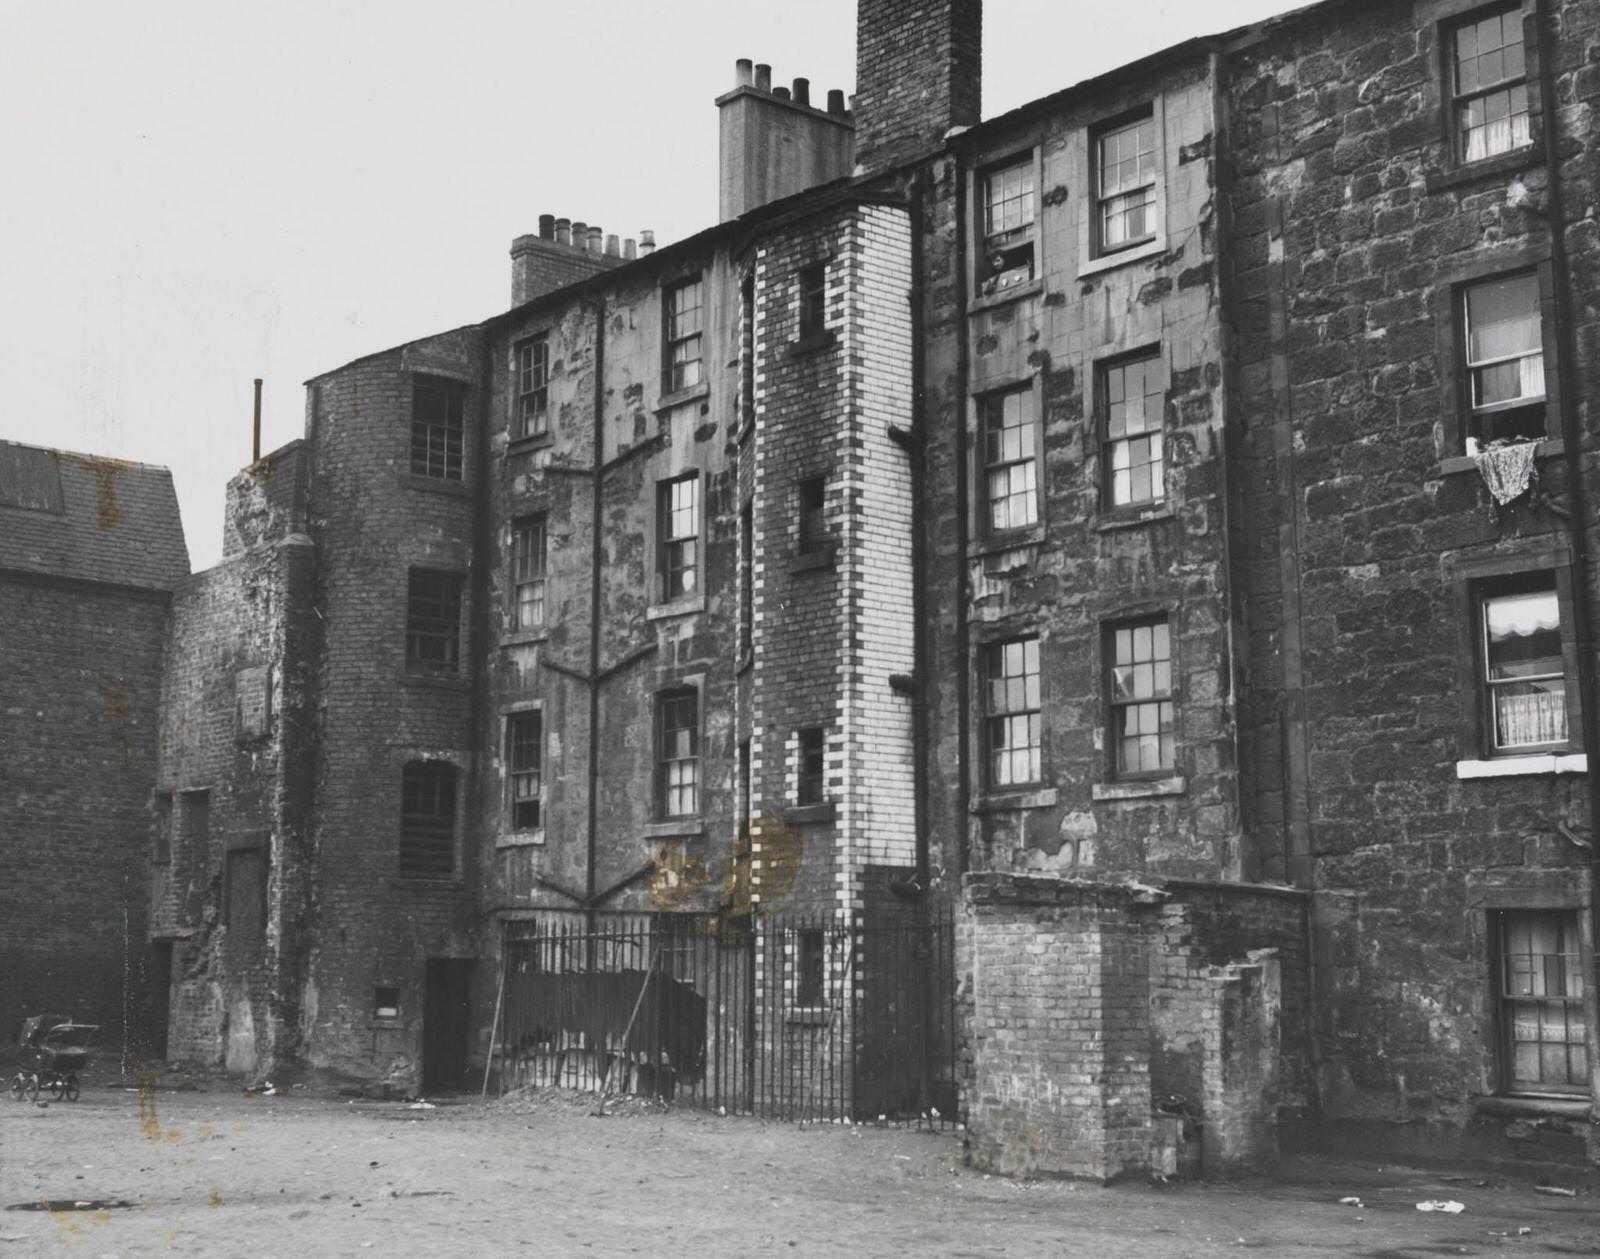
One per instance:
[(1087, 1004)]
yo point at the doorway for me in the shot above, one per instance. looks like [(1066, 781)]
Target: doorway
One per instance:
[(446, 1023)]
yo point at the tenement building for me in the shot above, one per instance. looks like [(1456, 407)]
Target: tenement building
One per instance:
[(1151, 528)]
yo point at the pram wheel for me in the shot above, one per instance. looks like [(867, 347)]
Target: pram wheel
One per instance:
[(19, 1086), (57, 1087), (69, 1088)]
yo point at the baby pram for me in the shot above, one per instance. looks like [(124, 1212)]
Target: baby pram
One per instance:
[(51, 1052)]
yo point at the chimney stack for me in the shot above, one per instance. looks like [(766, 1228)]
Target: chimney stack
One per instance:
[(919, 72), (562, 253), (774, 143)]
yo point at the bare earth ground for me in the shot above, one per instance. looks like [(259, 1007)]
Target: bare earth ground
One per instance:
[(219, 1173)]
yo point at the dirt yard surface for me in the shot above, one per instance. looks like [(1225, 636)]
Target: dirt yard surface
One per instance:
[(218, 1173)]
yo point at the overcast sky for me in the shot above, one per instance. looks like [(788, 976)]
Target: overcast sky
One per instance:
[(199, 193)]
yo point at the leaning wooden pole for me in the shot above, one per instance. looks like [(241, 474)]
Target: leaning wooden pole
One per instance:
[(494, 1028)]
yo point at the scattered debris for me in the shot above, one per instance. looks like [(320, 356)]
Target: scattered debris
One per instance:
[(1449, 1207), (421, 1105), (1555, 1191), (1349, 1202)]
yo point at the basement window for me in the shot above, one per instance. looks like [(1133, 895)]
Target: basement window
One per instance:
[(1539, 994), (1488, 84), (1007, 257)]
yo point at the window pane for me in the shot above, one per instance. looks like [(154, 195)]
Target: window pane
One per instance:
[(1014, 728), (1503, 318)]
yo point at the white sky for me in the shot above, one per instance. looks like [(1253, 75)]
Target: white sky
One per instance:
[(199, 193)]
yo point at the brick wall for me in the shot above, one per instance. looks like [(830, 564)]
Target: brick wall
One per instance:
[(918, 73), (80, 672)]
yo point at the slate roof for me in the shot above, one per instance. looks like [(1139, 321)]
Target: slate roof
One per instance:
[(90, 518)]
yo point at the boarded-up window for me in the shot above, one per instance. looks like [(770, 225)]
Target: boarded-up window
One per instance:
[(244, 901), (252, 691)]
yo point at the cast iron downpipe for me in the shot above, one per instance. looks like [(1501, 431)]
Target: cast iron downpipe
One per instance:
[(596, 484), (1578, 513), (959, 436)]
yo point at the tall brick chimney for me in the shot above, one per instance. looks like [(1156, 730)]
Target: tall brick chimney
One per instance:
[(919, 72)]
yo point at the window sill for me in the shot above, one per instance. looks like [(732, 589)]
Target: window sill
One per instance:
[(1123, 257), (1140, 789), (814, 1016), (1490, 168), (521, 638), (810, 561), (521, 839), (676, 828), (527, 445), (814, 343), (1014, 801), (1513, 1106), (436, 681), (1523, 766), (809, 814), (1010, 540), (1132, 518), (678, 607), (678, 397), (434, 485), (1549, 448), (1006, 296)]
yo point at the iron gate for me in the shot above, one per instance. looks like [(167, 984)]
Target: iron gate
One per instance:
[(792, 1018)]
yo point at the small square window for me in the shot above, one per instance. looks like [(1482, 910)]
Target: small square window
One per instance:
[(1522, 665), (1132, 404), (1504, 337), (528, 559), (1007, 256), (684, 309), (437, 428), (1539, 993), (1142, 718), (1010, 459), (433, 622), (1125, 184), (813, 300), (1488, 85), (533, 388), (812, 494), (678, 537), (1011, 678), (386, 1003), (428, 820), (811, 778), (678, 753), (525, 761)]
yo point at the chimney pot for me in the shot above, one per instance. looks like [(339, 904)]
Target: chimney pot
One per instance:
[(547, 226), (597, 240), (763, 78), (630, 249), (802, 91), (647, 242), (613, 247), (742, 72), (563, 231), (835, 100), (780, 93), (580, 234)]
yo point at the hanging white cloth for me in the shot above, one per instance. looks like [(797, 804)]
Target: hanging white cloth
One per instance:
[(1507, 470)]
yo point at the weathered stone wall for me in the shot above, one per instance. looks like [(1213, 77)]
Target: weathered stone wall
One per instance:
[(1355, 229)]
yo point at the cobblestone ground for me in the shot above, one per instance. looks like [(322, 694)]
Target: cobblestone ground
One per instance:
[(218, 1173)]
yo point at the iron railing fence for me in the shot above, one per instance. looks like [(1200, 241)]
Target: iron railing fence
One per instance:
[(795, 1018)]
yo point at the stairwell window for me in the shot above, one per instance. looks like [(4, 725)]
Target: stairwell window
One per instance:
[(533, 387), (678, 537), (427, 820), (433, 622), (811, 770), (528, 560), (1007, 257), (1132, 403), (525, 759), (437, 428), (1139, 655), (684, 319), (1522, 665), (1010, 459), (1539, 993), (678, 753), (1125, 183), (1489, 84), (1504, 337), (813, 301), (1013, 728)]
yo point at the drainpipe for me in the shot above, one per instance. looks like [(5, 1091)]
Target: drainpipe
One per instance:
[(1578, 513), (480, 714), (596, 484), (963, 610)]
